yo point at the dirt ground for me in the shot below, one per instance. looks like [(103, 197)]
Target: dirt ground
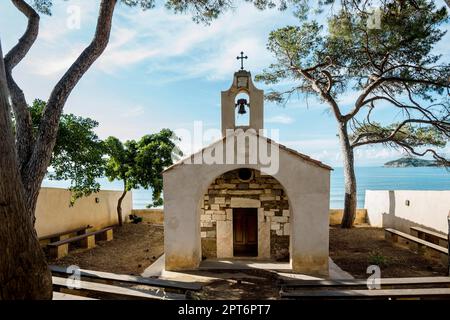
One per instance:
[(134, 248), (244, 285), (353, 250)]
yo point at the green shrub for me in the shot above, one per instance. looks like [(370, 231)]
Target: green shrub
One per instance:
[(377, 258), (135, 219)]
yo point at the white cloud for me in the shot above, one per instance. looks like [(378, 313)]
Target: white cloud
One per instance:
[(303, 101), (281, 119), (313, 144), (376, 154), (323, 149), (348, 98), (57, 27), (134, 111), (328, 151), (52, 65), (123, 51), (58, 45), (157, 35), (171, 45)]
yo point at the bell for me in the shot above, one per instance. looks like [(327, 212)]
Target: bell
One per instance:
[(241, 103), (242, 109)]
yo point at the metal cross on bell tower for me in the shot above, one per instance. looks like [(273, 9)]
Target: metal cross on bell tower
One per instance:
[(242, 57)]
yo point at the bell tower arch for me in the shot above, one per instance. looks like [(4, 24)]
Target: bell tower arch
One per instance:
[(242, 83)]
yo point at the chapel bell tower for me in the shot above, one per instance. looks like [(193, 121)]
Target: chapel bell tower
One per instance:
[(232, 106)]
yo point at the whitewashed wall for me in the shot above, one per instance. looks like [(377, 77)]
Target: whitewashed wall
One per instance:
[(389, 209), (54, 213)]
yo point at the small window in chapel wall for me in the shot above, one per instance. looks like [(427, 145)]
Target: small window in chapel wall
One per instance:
[(245, 174)]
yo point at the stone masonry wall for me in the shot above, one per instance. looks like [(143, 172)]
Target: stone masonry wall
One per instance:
[(263, 192)]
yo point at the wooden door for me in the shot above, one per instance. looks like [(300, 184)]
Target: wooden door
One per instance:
[(245, 231)]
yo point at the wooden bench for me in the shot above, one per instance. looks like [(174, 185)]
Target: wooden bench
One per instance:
[(60, 248), (124, 278), (431, 236), (413, 281), (367, 294), (63, 235), (414, 242), (112, 291)]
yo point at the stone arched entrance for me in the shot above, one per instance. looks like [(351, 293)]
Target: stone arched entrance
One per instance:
[(245, 213)]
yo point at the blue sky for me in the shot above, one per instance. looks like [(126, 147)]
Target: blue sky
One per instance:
[(163, 70)]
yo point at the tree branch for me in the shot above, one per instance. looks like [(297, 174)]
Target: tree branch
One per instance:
[(324, 94), (384, 61), (24, 129), (403, 65), (48, 128), (329, 80), (441, 159), (319, 65), (360, 102), (417, 81), (367, 50), (391, 138), (416, 106), (20, 50)]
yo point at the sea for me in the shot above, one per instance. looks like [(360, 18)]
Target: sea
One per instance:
[(368, 178)]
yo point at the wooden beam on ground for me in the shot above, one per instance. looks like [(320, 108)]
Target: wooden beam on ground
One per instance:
[(66, 296), (169, 284), (366, 294), (130, 293)]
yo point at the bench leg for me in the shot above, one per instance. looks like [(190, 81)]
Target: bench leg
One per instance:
[(413, 246), (423, 250), (64, 237), (444, 258), (106, 236), (414, 233), (79, 233), (390, 236), (59, 251), (55, 239), (88, 242), (443, 243), (44, 243)]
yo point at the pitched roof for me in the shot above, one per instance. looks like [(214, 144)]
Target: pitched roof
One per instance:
[(282, 147)]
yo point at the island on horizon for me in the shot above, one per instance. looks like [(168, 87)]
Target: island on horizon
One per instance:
[(411, 162)]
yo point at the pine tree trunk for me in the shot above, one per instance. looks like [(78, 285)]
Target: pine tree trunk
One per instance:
[(448, 246), (119, 205), (349, 178), (23, 270)]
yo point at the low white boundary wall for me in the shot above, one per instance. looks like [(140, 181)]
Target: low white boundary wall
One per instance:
[(402, 209), (54, 213)]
